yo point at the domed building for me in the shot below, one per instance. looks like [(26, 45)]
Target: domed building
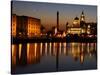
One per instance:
[(76, 22), (76, 27)]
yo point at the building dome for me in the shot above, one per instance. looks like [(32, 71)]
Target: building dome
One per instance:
[(76, 22), (76, 18)]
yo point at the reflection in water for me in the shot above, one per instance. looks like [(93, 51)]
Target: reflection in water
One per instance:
[(32, 53), (64, 46), (76, 50), (50, 48), (54, 46), (41, 46), (60, 48), (20, 46), (45, 48), (13, 54)]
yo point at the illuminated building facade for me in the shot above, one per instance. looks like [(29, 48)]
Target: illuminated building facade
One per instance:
[(24, 26), (54, 29), (33, 27), (75, 28), (13, 25), (78, 25)]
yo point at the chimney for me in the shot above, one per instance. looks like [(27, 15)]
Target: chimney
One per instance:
[(57, 20)]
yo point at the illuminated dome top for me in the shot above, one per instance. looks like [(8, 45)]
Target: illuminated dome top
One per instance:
[(76, 22), (76, 18)]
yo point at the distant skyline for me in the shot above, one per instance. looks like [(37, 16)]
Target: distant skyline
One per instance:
[(47, 12)]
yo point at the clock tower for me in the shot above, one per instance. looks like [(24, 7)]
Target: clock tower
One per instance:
[(82, 20)]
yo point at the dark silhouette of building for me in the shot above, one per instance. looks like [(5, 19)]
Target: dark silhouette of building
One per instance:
[(67, 26), (57, 20)]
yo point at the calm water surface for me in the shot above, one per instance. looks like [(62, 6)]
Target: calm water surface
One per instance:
[(51, 57)]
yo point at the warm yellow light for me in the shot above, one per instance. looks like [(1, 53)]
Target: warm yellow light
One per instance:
[(68, 31), (41, 44), (83, 30), (88, 26), (28, 46), (20, 46), (88, 32), (64, 34), (35, 49)]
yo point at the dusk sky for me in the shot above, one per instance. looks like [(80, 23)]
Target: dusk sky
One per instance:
[(47, 12)]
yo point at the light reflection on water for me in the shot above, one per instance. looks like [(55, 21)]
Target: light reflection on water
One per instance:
[(40, 53)]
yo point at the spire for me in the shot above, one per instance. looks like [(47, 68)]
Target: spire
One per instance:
[(67, 25), (82, 16), (83, 12), (82, 19)]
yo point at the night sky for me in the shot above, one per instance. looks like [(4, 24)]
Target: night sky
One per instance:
[(47, 12)]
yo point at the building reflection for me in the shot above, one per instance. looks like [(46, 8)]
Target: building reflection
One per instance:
[(31, 53), (23, 54), (13, 53)]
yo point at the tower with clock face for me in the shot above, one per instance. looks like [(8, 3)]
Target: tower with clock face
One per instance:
[(82, 20)]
